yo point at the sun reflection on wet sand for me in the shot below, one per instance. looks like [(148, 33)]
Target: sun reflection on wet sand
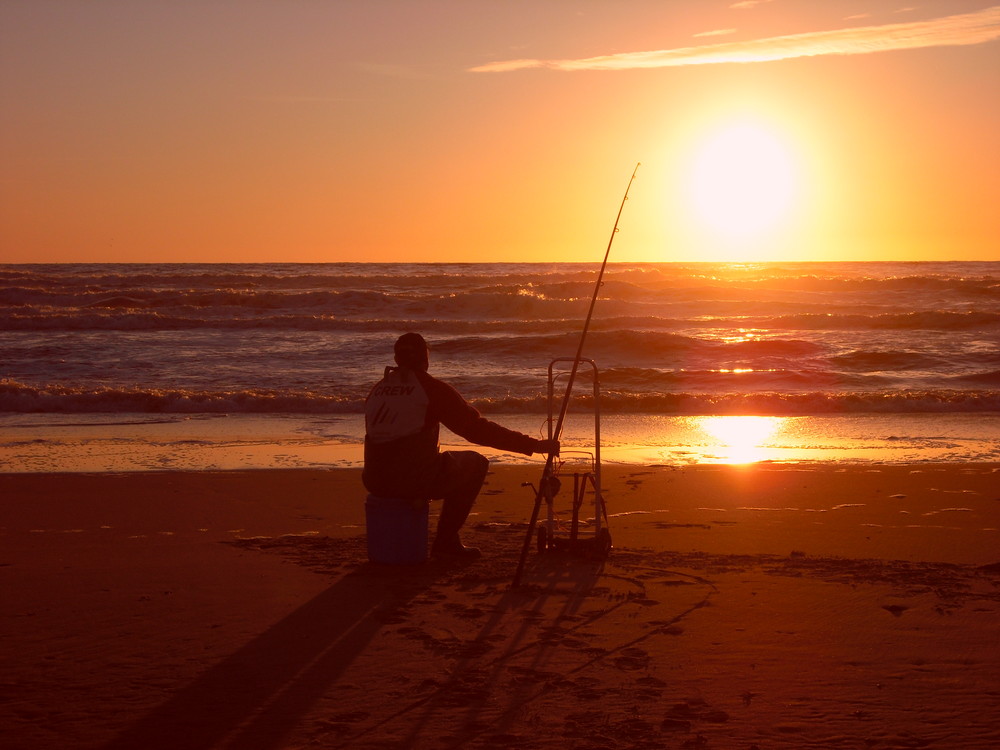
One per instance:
[(740, 439), (60, 443)]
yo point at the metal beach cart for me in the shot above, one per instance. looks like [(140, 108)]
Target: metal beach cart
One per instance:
[(586, 537)]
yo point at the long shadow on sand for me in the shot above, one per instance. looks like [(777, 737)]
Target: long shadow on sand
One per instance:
[(551, 593), (252, 699)]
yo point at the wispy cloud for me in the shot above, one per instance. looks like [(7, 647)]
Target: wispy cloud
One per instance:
[(968, 28), (716, 32), (748, 4)]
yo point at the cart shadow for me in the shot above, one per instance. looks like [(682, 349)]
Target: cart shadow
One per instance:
[(554, 589)]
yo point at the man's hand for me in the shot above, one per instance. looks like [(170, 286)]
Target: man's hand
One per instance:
[(548, 446)]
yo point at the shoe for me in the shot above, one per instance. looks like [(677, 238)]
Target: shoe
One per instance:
[(455, 550)]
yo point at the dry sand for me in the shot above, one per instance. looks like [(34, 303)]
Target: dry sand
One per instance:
[(773, 606)]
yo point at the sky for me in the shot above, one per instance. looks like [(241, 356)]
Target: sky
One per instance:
[(498, 130)]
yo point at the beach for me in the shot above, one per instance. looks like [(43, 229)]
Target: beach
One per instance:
[(824, 605)]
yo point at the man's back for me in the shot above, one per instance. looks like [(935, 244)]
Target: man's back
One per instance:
[(401, 436)]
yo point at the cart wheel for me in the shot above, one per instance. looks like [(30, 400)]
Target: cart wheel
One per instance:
[(603, 544), (543, 539)]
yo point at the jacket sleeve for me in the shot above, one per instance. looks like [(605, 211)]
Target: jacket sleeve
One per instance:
[(455, 413)]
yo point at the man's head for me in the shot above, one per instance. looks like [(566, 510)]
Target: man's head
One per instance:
[(411, 351)]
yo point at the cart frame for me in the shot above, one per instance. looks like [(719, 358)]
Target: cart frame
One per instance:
[(595, 542)]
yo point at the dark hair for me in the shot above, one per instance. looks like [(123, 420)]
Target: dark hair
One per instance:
[(410, 350)]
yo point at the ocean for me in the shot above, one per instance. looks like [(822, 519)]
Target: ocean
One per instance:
[(196, 357)]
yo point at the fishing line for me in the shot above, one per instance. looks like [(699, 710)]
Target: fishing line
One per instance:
[(545, 483)]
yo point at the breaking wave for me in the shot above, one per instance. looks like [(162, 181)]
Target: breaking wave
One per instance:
[(782, 338), (23, 398)]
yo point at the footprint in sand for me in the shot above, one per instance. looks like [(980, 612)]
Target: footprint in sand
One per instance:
[(696, 710), (464, 611), (895, 609), (392, 615), (632, 660), (527, 675), (343, 722), (675, 725), (588, 689)]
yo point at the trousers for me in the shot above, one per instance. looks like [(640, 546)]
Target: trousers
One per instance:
[(459, 478)]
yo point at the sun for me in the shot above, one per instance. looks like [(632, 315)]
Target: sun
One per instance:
[(743, 180)]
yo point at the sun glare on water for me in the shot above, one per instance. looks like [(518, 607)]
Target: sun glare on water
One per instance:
[(743, 181)]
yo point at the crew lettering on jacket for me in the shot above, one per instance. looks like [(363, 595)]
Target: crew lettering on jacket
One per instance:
[(396, 407)]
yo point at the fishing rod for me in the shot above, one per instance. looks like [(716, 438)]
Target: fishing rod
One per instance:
[(544, 485)]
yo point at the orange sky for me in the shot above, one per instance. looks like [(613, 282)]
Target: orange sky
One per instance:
[(459, 130)]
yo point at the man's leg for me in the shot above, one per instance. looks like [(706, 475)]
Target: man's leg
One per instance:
[(459, 480)]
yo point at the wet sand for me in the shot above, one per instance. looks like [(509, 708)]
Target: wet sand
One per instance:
[(768, 606)]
